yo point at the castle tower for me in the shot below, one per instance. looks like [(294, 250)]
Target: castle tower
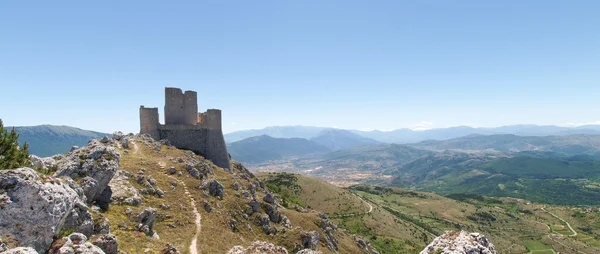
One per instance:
[(187, 129), (149, 122)]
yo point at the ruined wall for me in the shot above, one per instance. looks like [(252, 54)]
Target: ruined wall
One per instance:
[(149, 122), (174, 106), (206, 142), (180, 108), (190, 107), (212, 119)]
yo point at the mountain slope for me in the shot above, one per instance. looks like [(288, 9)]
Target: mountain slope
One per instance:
[(47, 140), (564, 180), (223, 198), (265, 148), (336, 139)]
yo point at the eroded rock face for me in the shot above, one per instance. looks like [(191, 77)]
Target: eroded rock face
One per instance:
[(95, 164), (258, 248), (460, 243), (43, 203)]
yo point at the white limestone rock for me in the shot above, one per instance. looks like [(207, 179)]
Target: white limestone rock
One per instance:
[(21, 250), (42, 163), (460, 243), (95, 164), (34, 208)]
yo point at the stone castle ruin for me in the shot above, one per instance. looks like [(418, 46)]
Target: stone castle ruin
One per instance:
[(185, 128)]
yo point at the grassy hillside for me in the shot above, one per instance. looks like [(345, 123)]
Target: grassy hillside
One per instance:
[(568, 181), (265, 148), (176, 224), (403, 221), (385, 231), (513, 225), (48, 140)]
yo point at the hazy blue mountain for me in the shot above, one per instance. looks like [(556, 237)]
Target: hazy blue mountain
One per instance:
[(336, 139), (404, 136), (48, 140), (264, 148), (568, 145), (305, 132)]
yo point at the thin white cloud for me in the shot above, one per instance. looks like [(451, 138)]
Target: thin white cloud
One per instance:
[(423, 125)]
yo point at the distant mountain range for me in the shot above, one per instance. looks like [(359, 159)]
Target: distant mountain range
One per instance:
[(403, 136), (48, 140), (264, 148)]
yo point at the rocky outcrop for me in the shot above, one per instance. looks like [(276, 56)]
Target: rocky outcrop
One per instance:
[(170, 249), (146, 220), (258, 248), (93, 166), (216, 189), (365, 244), (310, 240), (42, 163), (460, 243), (77, 243), (122, 189), (42, 203), (21, 250), (80, 219), (108, 243)]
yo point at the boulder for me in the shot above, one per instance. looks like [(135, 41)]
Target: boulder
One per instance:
[(264, 222), (269, 198), (125, 143), (108, 243), (77, 243), (34, 209), (146, 220), (310, 240), (172, 170), (460, 242), (273, 213), (42, 163), (121, 187), (118, 135), (95, 164), (258, 248), (215, 188), (170, 249)]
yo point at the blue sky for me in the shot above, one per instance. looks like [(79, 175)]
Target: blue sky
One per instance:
[(347, 64)]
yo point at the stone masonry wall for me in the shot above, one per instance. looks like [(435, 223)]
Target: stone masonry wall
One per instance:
[(206, 142)]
